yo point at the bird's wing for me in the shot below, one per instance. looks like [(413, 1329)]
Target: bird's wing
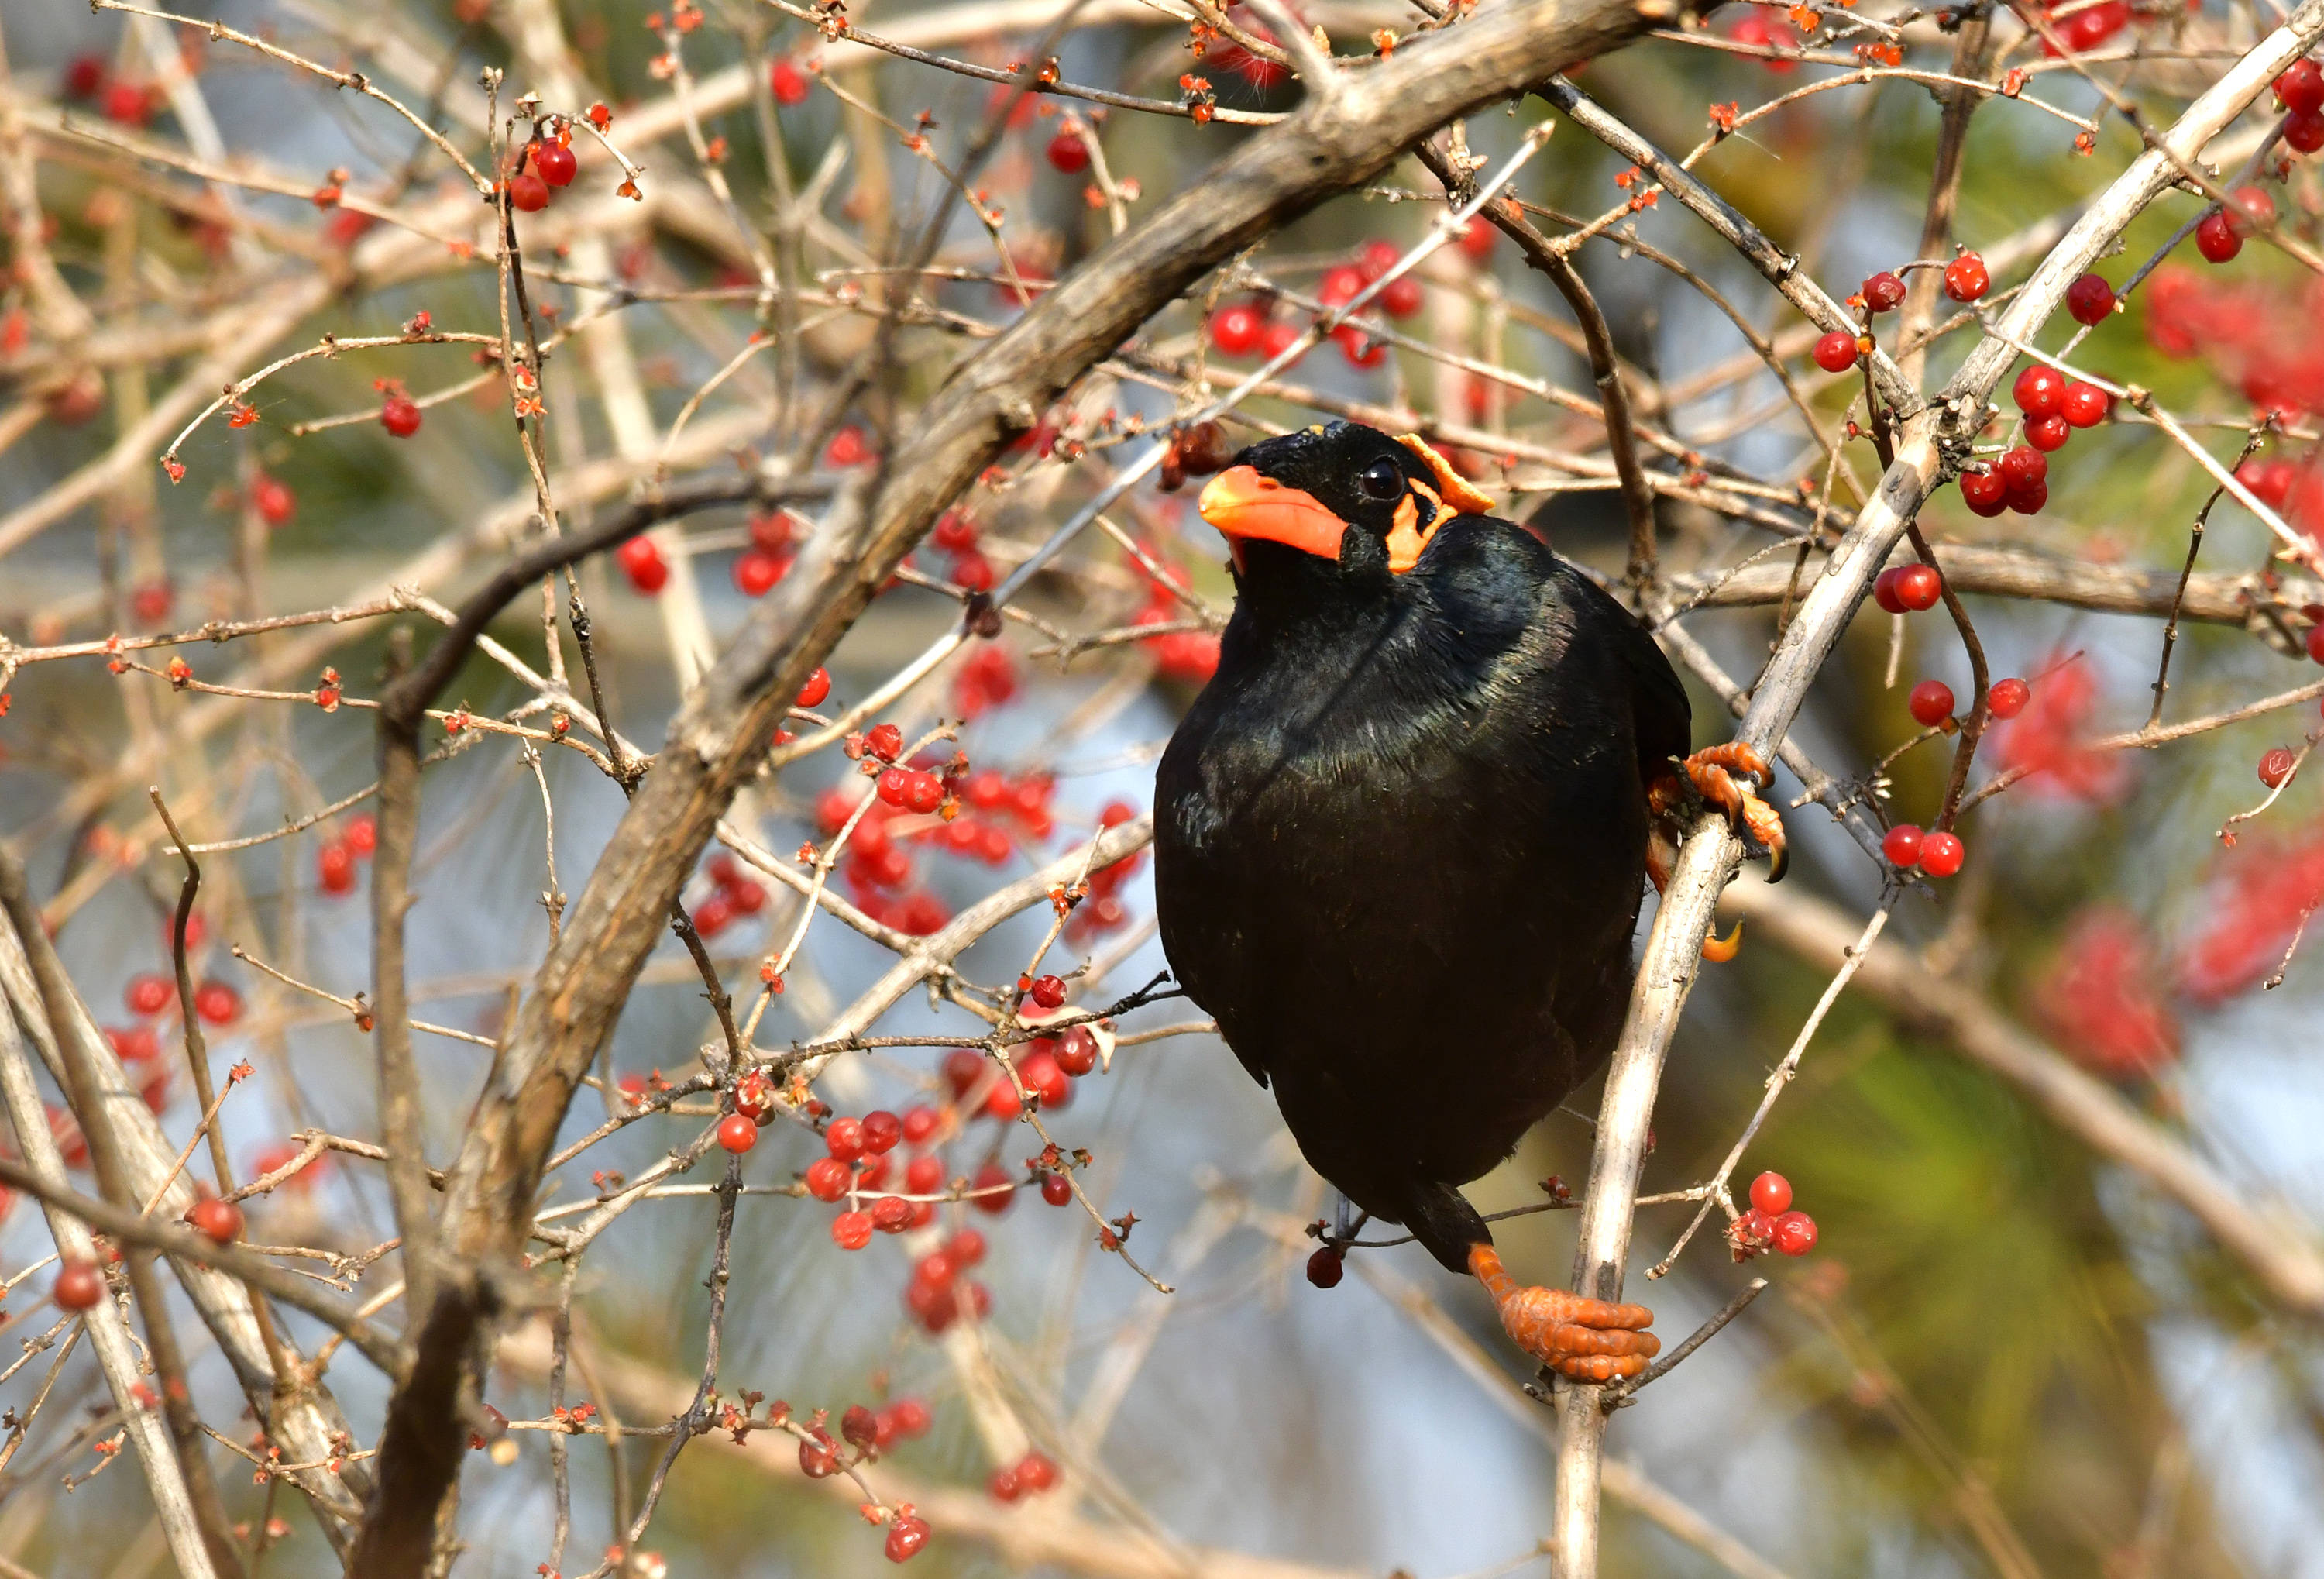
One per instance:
[(1661, 719)]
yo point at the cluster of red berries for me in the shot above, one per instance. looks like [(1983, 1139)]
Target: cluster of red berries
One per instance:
[(88, 79), (2301, 91), (1937, 853), (2104, 997), (546, 165), (1771, 1223), (955, 533), (1029, 1476), (1908, 588), (758, 567), (734, 893), (2053, 406), (938, 1294), (336, 862), (1244, 328), (1188, 656), (152, 993), (2220, 233)]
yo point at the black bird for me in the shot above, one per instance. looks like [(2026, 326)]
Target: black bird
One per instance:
[(1401, 838)]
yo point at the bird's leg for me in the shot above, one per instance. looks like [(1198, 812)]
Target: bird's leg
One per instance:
[(1588, 1340), (1711, 773)]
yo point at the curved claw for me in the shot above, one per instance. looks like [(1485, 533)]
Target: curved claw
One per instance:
[(1718, 950)]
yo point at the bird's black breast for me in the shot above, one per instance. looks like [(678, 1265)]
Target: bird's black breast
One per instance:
[(1400, 846)]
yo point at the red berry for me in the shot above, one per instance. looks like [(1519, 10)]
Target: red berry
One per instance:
[(1235, 329), (1068, 152), (911, 1417), (148, 995), (2039, 389), (881, 1130), (1836, 352), (1941, 854), (1325, 1267), (1361, 350), (272, 501), (920, 1122), (827, 1179), (2029, 501), (2275, 767), (1375, 258), (1795, 1233), (2270, 481), (2021, 467), (965, 1248), (84, 75), (1278, 337), (1985, 492), (817, 687), (2089, 299), (2048, 433), (335, 868), (963, 1068), (789, 83), (891, 785), (1077, 1051), (78, 1286), (738, 1132), (907, 1534), (844, 1138), (994, 1179), (527, 193), (1932, 703), (2304, 132), (132, 1044), (640, 560), (128, 103), (851, 1229), (2249, 210), (1002, 1102), (924, 1175), (1965, 279), (2302, 87), (923, 793), (1477, 238), (362, 833), (1771, 1192), (1903, 844), (555, 164), (218, 1003), (2316, 643), (1884, 292), (2084, 405), (1057, 1191), (400, 415), (2216, 238), (712, 915), (860, 1426), (848, 448), (1003, 1485), (1400, 296), (1884, 590), (219, 1221), (1048, 992), (1039, 1071), (1919, 586), (891, 1213), (886, 742), (756, 572), (1036, 1472), (1339, 286), (818, 1454), (2007, 697)]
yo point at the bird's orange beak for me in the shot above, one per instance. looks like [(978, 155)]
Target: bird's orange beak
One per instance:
[(1244, 503)]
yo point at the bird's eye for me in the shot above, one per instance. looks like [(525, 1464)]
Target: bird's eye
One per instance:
[(1383, 479)]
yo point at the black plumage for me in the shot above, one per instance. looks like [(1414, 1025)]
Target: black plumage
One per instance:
[(1401, 837)]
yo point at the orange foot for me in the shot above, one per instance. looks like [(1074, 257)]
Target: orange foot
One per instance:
[(1712, 772), (1588, 1340)]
